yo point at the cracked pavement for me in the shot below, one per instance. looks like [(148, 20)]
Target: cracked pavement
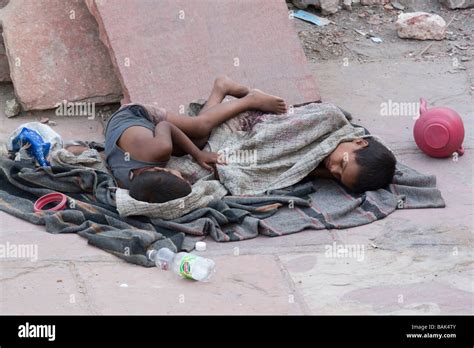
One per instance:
[(412, 262)]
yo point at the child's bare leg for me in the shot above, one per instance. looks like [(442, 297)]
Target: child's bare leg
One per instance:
[(223, 86), (201, 126)]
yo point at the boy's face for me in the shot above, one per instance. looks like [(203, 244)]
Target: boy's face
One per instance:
[(341, 162)]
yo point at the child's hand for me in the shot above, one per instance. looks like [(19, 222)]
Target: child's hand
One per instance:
[(207, 159)]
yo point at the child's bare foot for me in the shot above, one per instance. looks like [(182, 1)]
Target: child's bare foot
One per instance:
[(229, 87), (266, 102)]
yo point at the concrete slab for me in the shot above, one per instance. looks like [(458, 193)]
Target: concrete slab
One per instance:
[(375, 281), (57, 54), (172, 50), (42, 287), (243, 285), (364, 89)]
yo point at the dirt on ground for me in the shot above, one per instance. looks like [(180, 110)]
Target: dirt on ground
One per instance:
[(350, 34)]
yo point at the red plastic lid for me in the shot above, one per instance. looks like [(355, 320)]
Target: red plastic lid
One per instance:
[(58, 197)]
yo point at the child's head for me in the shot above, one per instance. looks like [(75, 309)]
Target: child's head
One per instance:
[(362, 164), (159, 185)]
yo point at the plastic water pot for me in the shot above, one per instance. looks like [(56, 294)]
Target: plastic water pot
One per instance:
[(439, 132)]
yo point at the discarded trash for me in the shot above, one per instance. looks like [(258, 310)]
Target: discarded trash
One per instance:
[(309, 17), (461, 47), (37, 148), (124, 285), (200, 246), (21, 149), (376, 39), (186, 265), (363, 33)]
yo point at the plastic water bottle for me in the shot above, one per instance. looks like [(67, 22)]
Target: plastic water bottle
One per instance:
[(187, 265)]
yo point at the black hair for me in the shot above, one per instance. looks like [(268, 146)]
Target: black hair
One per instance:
[(158, 187), (377, 167)]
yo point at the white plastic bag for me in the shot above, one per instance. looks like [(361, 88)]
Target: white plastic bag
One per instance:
[(46, 132)]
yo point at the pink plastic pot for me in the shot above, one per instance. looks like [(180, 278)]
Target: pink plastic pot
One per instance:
[(439, 132)]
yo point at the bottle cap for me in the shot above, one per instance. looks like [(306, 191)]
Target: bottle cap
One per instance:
[(200, 246)]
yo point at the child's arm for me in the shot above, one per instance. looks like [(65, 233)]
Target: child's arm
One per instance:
[(169, 135)]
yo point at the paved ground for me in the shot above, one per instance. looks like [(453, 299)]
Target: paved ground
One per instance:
[(412, 262)]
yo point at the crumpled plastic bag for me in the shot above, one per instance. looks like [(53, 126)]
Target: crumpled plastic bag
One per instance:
[(34, 140)]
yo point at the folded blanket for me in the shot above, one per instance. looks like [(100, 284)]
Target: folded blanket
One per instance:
[(203, 192)]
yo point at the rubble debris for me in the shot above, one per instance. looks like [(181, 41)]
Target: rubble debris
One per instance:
[(396, 5), (12, 108), (373, 2), (326, 6), (455, 4), (461, 47), (421, 26), (347, 5), (360, 32), (424, 50), (329, 6)]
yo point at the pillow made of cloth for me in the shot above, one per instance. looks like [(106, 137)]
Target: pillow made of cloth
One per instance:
[(203, 192)]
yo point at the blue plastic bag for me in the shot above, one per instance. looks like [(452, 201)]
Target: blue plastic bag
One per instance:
[(38, 148)]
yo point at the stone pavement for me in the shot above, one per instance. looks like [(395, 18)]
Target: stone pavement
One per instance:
[(171, 51), (412, 262)]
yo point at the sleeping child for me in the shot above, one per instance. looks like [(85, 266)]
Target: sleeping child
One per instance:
[(140, 139)]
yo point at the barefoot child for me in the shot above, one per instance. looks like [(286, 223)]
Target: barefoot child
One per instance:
[(139, 139)]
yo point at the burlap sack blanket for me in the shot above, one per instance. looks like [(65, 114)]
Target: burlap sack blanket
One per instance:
[(269, 152)]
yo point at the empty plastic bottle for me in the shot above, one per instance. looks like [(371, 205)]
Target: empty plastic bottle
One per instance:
[(186, 265)]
